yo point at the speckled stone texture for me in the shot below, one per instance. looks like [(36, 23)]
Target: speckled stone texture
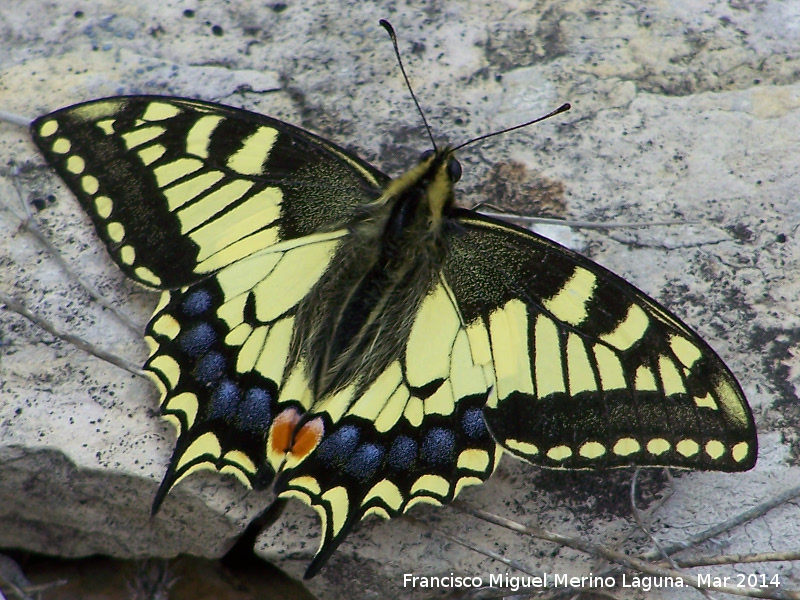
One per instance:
[(684, 111)]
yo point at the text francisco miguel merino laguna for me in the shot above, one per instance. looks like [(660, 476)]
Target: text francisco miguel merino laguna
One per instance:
[(514, 583)]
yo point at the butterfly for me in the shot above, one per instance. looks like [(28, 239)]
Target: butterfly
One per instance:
[(362, 343)]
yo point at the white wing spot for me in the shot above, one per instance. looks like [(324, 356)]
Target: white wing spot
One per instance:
[(116, 231), (127, 254), (75, 164), (658, 446), (740, 451), (706, 401), (592, 450), (559, 453), (90, 184), (715, 449), (61, 146), (103, 206), (522, 447), (147, 275)]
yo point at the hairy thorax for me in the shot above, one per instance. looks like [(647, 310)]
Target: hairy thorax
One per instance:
[(358, 318)]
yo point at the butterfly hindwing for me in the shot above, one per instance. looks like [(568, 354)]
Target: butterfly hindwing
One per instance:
[(589, 370), (416, 434), (222, 358)]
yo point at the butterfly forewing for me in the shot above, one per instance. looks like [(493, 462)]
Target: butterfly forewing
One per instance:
[(179, 189), (589, 370)]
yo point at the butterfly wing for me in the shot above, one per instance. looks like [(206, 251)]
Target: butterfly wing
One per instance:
[(589, 371), (525, 346), (179, 189), (415, 435), (217, 206)]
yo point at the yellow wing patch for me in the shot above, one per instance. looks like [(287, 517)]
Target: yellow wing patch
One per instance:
[(508, 331)]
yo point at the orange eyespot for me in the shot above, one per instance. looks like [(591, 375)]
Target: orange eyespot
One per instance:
[(307, 438), (286, 438), (282, 430)]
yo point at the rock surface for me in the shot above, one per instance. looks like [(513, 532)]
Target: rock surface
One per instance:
[(681, 111)]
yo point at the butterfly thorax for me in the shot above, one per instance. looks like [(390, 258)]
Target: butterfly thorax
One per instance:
[(357, 319)]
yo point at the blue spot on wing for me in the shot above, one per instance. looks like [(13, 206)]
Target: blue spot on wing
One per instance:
[(197, 340), (403, 453), (224, 400), (437, 447), (365, 462), (255, 411), (210, 368), (473, 424), (196, 303), (337, 448)]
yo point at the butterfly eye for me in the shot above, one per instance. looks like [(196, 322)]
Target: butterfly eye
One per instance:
[(426, 155), (454, 170)]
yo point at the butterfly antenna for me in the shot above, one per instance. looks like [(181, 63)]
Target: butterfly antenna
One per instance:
[(390, 30), (563, 108)]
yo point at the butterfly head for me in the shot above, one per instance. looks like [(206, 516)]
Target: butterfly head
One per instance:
[(425, 193), (446, 159)]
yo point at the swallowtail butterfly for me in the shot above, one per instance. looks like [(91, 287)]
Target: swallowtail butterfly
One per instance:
[(360, 342)]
